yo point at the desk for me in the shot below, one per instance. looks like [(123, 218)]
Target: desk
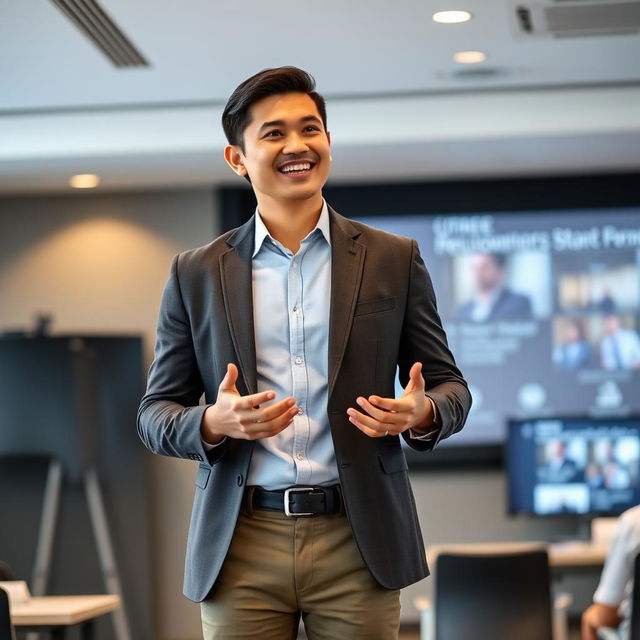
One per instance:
[(55, 613), (577, 555)]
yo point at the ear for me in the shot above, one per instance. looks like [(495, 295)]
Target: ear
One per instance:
[(235, 159), (329, 141)]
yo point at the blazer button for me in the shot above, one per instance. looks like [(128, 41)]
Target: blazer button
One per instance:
[(240, 480)]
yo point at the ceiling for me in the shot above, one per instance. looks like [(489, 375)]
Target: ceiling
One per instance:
[(398, 106)]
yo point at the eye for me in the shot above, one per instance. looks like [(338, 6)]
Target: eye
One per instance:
[(312, 128), (273, 133)]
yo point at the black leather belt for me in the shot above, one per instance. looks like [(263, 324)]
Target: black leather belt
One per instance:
[(298, 501)]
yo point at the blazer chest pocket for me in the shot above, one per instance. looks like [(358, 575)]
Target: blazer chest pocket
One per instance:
[(202, 478), (393, 461), (367, 307)]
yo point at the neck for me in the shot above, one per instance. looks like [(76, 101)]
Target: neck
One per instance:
[(289, 222)]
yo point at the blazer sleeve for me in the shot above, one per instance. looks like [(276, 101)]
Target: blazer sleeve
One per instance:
[(169, 415), (423, 340)]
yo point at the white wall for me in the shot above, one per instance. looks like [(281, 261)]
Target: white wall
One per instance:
[(98, 263)]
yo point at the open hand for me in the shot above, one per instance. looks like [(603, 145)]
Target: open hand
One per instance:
[(389, 416), (242, 417)]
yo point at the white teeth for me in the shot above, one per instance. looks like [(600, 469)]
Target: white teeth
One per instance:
[(305, 166)]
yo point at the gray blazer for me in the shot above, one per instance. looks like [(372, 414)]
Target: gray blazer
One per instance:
[(383, 315)]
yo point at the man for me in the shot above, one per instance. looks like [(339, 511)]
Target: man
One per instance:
[(619, 348), (575, 351), (293, 326), (612, 599), (493, 300), (560, 468)]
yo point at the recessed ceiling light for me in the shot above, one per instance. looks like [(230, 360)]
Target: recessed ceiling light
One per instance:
[(469, 57), (84, 181), (451, 17)]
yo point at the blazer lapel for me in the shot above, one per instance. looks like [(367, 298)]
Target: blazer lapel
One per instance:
[(347, 263), (237, 293)]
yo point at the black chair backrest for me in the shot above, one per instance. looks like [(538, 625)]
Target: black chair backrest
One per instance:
[(493, 596), (6, 575), (634, 631), (6, 630)]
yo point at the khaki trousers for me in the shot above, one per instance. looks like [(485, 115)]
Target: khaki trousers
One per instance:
[(280, 568)]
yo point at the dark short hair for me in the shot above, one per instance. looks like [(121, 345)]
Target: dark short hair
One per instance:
[(499, 259), (268, 82)]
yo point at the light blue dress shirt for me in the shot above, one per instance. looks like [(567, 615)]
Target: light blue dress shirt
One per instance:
[(291, 302), (291, 306)]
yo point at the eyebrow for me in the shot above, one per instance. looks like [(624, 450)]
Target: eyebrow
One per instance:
[(282, 123)]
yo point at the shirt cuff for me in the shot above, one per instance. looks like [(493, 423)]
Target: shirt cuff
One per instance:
[(211, 447), (416, 434)]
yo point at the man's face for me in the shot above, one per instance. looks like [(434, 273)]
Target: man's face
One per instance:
[(611, 324), (286, 149), (487, 272), (557, 450), (572, 333)]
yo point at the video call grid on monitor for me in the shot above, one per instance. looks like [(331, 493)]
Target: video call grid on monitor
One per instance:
[(584, 466)]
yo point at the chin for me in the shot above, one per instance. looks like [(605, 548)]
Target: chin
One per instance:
[(302, 194)]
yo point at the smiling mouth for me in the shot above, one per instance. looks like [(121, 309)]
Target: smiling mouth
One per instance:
[(299, 168)]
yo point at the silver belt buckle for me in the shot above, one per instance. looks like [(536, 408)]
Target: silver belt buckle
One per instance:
[(289, 491)]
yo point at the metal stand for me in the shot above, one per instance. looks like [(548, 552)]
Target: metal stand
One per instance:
[(50, 508), (100, 525), (105, 550)]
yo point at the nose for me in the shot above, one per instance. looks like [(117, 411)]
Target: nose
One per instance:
[(294, 144)]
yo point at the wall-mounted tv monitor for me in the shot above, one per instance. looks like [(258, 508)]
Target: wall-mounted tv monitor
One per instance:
[(586, 466), (541, 310)]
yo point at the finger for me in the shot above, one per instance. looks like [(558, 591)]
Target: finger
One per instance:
[(387, 404), (416, 380), (255, 399), (359, 418), (273, 411), (372, 433), (256, 430), (229, 381), (387, 417)]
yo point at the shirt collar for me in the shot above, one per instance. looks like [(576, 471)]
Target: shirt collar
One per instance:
[(261, 231)]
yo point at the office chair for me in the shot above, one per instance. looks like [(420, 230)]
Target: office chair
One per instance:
[(634, 629), (6, 574), (493, 592), (605, 633), (6, 629)]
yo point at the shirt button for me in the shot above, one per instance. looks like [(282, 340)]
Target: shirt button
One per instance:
[(299, 456), (300, 412), (298, 360)]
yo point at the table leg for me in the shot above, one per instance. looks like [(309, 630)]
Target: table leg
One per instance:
[(58, 633), (87, 630)]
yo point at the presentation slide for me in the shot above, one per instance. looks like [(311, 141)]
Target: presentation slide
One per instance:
[(541, 310)]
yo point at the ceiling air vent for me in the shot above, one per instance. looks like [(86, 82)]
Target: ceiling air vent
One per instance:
[(92, 20), (576, 18)]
